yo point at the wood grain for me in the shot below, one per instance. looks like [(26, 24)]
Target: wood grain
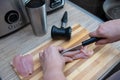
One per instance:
[(82, 69)]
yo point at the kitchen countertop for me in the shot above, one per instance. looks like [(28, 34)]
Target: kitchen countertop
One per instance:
[(24, 40)]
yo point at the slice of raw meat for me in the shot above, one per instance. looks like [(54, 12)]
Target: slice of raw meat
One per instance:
[(23, 64), (78, 54)]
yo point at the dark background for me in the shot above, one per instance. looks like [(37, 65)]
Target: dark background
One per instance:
[(93, 6)]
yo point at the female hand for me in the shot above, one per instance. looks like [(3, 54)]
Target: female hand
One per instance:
[(53, 63), (108, 31), (52, 59)]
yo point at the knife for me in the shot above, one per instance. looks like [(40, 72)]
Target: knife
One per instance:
[(84, 43)]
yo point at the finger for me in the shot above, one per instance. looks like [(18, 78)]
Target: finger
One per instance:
[(98, 33), (102, 42), (41, 55), (93, 34), (71, 53), (68, 59), (60, 48)]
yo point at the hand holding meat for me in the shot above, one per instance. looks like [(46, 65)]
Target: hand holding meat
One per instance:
[(108, 31), (53, 63)]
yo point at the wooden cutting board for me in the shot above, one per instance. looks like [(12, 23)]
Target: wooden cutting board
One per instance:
[(83, 69)]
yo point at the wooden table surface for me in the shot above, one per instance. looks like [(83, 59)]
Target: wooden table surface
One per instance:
[(24, 40), (92, 68)]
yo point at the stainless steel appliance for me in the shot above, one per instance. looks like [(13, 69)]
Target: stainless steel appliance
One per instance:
[(52, 5), (37, 14), (12, 16)]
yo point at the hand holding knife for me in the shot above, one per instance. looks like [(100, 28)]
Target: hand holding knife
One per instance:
[(84, 43)]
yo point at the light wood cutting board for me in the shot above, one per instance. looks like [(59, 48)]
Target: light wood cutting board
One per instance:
[(83, 69)]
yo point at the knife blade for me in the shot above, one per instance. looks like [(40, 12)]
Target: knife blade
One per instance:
[(84, 43), (64, 19)]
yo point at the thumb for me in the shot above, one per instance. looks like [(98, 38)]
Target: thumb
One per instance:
[(60, 48)]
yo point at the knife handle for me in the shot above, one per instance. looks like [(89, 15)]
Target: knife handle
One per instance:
[(89, 41)]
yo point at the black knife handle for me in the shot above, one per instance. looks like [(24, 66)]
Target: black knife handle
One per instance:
[(89, 41)]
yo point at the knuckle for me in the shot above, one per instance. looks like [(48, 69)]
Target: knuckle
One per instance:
[(100, 31)]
